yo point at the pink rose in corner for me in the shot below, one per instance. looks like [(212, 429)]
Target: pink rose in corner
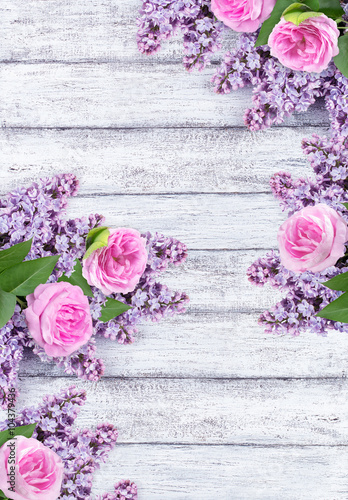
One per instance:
[(59, 318), (118, 267), (309, 46), (242, 15), (38, 473), (312, 239)]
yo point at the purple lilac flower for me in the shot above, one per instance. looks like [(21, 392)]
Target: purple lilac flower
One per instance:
[(305, 294), (82, 450), (278, 92), (161, 19), (38, 213)]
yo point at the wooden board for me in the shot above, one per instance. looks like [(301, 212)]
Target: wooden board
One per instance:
[(157, 161), (121, 95), (207, 405)]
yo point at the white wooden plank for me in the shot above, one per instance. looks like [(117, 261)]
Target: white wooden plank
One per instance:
[(228, 473), (215, 339), (209, 411), (121, 95), (216, 345), (78, 31), (214, 221), (154, 160)]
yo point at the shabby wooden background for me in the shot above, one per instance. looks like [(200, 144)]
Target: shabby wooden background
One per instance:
[(208, 407)]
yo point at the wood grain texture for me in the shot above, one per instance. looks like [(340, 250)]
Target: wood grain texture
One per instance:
[(154, 160), (212, 411), (216, 345), (229, 472), (199, 220), (122, 95), (219, 335), (208, 407)]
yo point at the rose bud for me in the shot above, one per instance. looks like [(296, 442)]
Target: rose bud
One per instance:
[(118, 267), (312, 239), (38, 471), (59, 318), (309, 46), (242, 15)]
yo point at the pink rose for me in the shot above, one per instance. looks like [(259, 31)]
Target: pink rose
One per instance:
[(59, 318), (37, 474), (312, 239), (118, 267), (242, 15), (310, 46)]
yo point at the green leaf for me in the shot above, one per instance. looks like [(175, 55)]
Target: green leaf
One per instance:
[(339, 282), (346, 205), (2, 495), (77, 279), (111, 309), (22, 430), (312, 4), (298, 16), (96, 238), (341, 60), (14, 255), (331, 8), (7, 307), (22, 279), (336, 310)]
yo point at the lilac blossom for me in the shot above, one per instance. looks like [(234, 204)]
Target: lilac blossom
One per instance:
[(278, 92), (39, 213), (304, 293), (82, 450), (162, 19)]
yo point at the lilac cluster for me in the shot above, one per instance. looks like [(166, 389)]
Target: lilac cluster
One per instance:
[(38, 213), (305, 294), (82, 450), (278, 92), (161, 19)]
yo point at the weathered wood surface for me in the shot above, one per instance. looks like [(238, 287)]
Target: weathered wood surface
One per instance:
[(154, 160), (121, 95), (226, 473), (212, 411), (197, 219), (208, 407)]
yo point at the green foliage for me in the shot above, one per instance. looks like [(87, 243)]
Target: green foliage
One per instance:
[(77, 279), (23, 278), (22, 430), (96, 238), (7, 307), (14, 255), (336, 310), (339, 282), (341, 60), (111, 309)]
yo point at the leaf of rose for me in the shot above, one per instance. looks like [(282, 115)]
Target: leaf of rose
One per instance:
[(111, 309), (22, 430), (339, 282), (14, 255), (2, 495), (341, 60), (331, 8), (337, 310), (96, 238), (7, 307), (23, 278), (77, 279)]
